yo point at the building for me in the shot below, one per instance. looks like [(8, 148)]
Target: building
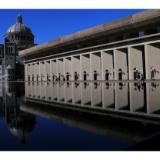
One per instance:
[(18, 37), (126, 49)]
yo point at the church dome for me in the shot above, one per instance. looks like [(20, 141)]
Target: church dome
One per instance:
[(19, 27), (19, 34)]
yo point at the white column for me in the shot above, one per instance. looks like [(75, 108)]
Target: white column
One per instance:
[(107, 60), (153, 100), (76, 66), (121, 63), (85, 66), (136, 97), (152, 60), (121, 96), (68, 67), (95, 65), (136, 58), (108, 95)]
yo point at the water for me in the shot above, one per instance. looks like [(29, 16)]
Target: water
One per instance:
[(79, 116)]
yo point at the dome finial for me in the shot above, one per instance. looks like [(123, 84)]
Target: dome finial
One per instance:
[(19, 19)]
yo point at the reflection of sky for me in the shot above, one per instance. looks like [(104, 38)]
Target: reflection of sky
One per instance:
[(50, 24), (54, 135)]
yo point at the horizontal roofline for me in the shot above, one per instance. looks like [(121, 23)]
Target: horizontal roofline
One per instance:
[(124, 23)]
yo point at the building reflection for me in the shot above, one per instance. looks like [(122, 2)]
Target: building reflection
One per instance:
[(133, 98), (19, 123)]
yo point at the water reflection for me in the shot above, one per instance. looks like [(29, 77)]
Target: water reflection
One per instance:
[(124, 113), (133, 98), (19, 123)]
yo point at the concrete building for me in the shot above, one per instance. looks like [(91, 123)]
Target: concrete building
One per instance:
[(126, 49), (18, 37)]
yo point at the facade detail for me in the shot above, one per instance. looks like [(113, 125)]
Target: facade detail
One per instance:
[(18, 37), (127, 49)]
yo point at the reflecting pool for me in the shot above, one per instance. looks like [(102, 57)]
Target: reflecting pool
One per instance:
[(80, 116)]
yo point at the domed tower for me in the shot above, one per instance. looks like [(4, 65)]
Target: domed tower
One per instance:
[(20, 34), (17, 37)]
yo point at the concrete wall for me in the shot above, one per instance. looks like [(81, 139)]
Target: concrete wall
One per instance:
[(135, 56), (107, 61), (121, 62)]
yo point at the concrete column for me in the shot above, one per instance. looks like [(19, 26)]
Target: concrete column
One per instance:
[(55, 92), (77, 89), (86, 94), (108, 95), (35, 71), (76, 67), (27, 71), (85, 66), (68, 67), (68, 92), (121, 96), (49, 88), (107, 59), (54, 68), (32, 72), (121, 63), (61, 67), (96, 94), (153, 100), (42, 71), (137, 100), (61, 92), (95, 66), (152, 59), (43, 90), (27, 90), (136, 60), (48, 70)]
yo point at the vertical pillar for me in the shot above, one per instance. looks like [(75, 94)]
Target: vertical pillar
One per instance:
[(108, 95), (85, 66), (107, 60), (152, 59), (136, 60), (95, 66), (68, 67), (121, 64), (76, 67)]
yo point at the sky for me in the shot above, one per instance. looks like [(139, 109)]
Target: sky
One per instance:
[(48, 25)]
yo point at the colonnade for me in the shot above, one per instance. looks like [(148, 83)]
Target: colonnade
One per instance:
[(139, 98), (132, 62)]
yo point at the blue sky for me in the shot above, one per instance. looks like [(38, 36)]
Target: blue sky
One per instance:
[(48, 25)]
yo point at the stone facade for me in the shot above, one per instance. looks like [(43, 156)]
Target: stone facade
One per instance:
[(18, 37)]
